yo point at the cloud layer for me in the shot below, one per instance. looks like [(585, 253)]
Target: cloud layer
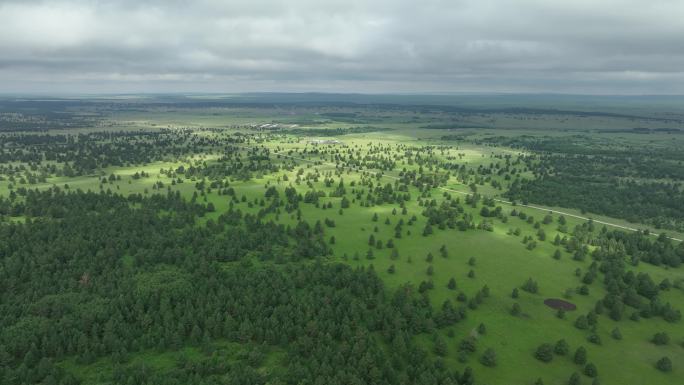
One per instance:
[(573, 46)]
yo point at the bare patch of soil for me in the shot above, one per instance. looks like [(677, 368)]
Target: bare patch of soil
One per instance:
[(557, 304)]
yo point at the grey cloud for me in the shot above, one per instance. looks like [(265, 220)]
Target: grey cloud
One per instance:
[(580, 46)]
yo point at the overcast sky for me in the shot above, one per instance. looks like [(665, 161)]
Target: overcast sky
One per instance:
[(562, 46)]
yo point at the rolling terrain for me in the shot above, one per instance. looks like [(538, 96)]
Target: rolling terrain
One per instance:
[(287, 239)]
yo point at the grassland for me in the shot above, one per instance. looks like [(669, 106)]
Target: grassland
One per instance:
[(492, 257)]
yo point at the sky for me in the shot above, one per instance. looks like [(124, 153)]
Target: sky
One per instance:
[(366, 46)]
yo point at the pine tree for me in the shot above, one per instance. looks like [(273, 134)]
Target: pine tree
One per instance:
[(488, 358), (561, 348), (590, 370), (544, 353), (664, 364), (575, 379), (440, 347), (661, 338), (580, 357), (616, 334)]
